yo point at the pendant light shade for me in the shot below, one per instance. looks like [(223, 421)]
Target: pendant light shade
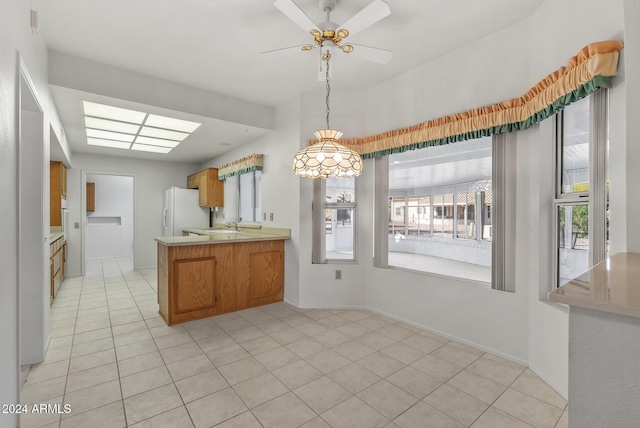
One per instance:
[(327, 158)]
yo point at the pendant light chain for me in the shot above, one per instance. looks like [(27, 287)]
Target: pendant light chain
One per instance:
[(326, 57), (327, 158)]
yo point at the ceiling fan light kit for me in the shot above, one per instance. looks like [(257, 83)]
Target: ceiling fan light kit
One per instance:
[(327, 158), (331, 34)]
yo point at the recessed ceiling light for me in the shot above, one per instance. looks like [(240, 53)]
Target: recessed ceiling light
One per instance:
[(171, 123), (108, 143), (114, 113), (110, 125), (156, 142), (154, 149), (163, 133), (96, 133)]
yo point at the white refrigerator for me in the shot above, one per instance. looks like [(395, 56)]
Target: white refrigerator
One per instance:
[(182, 210)]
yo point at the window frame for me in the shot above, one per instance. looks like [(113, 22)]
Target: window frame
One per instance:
[(233, 194), (597, 195), (254, 198), (502, 215), (319, 209)]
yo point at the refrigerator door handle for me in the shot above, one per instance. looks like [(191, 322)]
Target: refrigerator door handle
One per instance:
[(164, 218)]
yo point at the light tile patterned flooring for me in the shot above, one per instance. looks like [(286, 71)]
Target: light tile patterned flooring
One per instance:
[(117, 364)]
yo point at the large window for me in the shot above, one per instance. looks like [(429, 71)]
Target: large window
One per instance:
[(440, 210), (581, 203)]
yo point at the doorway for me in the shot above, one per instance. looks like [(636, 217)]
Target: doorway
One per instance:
[(109, 218), (33, 236)]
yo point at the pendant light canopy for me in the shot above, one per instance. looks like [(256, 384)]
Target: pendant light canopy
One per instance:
[(327, 158)]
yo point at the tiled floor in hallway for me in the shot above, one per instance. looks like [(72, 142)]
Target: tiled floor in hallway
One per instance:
[(117, 364)]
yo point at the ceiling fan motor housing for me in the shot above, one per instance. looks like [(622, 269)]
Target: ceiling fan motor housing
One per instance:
[(331, 4)]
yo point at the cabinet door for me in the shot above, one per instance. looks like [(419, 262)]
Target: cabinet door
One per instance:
[(55, 192), (192, 181), (202, 187), (215, 189), (63, 181), (91, 197)]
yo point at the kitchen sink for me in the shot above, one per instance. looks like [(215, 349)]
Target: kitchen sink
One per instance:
[(216, 231)]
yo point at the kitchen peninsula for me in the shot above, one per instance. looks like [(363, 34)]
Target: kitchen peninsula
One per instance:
[(216, 270)]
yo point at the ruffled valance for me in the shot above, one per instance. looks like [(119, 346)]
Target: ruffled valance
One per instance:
[(585, 73), (241, 166)]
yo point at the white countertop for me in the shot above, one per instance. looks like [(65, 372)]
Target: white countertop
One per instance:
[(225, 236), (611, 286)]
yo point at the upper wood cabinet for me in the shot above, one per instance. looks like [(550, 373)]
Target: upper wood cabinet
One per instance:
[(91, 197), (58, 191), (211, 189)]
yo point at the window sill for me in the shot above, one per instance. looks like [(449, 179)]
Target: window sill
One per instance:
[(474, 282)]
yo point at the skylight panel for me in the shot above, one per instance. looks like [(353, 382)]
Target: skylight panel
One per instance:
[(113, 113), (96, 133), (171, 123), (156, 142), (108, 143), (165, 134), (154, 149), (110, 125)]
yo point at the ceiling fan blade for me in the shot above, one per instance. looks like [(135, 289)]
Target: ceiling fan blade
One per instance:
[(381, 56), (285, 51), (374, 12), (294, 13)]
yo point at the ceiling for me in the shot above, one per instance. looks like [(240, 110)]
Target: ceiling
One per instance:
[(215, 46)]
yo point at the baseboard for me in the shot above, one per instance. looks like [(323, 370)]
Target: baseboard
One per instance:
[(453, 337), (342, 307), (556, 388)]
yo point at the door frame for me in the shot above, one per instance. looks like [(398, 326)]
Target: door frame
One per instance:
[(83, 213)]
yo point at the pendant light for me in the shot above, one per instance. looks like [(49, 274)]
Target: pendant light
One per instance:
[(327, 158)]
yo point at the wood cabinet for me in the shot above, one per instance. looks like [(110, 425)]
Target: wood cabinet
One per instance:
[(211, 189), (57, 191), (91, 197), (199, 281), (58, 258)]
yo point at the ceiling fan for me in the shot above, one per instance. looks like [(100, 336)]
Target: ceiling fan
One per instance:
[(329, 35)]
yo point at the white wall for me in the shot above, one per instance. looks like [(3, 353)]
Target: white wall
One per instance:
[(604, 370), (151, 179), (15, 36), (109, 229)]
